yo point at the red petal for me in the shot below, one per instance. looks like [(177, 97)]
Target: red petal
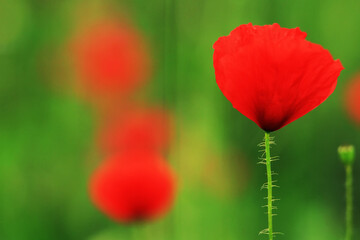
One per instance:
[(352, 99), (142, 187), (273, 75), (110, 56)]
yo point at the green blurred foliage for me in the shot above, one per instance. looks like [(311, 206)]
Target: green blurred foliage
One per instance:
[(47, 135)]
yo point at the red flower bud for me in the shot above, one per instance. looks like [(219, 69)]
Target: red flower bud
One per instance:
[(273, 75), (133, 187)]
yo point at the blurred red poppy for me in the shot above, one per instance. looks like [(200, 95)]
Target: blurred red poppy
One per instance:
[(273, 75), (110, 57), (133, 187), (352, 98), (137, 129)]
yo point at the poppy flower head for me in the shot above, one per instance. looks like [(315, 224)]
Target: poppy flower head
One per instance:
[(137, 129), (110, 57), (133, 187), (352, 99), (273, 75)]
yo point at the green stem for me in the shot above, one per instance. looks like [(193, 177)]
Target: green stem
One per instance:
[(349, 201), (269, 185), (136, 235)]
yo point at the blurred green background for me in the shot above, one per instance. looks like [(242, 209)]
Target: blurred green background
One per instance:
[(47, 134)]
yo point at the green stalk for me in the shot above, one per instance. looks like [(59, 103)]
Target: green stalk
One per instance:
[(269, 185), (347, 156), (349, 202)]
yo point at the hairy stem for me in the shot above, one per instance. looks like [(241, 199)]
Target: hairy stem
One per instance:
[(349, 201), (269, 185)]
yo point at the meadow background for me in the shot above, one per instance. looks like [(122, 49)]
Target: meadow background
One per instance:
[(47, 132)]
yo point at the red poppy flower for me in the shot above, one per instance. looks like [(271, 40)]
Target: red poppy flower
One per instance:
[(352, 99), (273, 75), (110, 57), (133, 187), (137, 129)]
